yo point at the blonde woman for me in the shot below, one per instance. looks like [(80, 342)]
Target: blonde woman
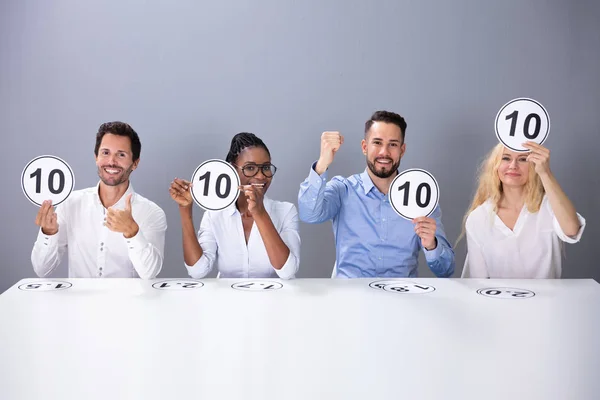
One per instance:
[(519, 217)]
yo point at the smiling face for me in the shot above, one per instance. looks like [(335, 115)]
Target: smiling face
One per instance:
[(254, 160), (115, 160), (513, 170), (383, 148)]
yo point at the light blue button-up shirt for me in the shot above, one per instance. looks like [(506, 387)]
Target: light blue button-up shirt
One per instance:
[(371, 240)]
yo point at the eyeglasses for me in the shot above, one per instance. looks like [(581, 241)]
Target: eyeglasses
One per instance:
[(250, 170)]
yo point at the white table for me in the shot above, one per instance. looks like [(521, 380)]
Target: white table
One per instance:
[(311, 339)]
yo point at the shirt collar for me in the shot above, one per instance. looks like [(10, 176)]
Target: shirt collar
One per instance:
[(120, 204), (367, 182)]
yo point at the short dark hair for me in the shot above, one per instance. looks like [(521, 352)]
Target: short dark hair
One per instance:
[(388, 117), (242, 141), (121, 129)]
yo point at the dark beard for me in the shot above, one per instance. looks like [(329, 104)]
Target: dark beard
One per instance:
[(383, 174), (124, 176)]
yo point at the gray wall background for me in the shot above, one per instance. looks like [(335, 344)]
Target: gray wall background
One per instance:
[(187, 75)]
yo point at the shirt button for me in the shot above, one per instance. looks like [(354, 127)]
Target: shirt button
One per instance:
[(101, 248), (99, 273), (101, 243)]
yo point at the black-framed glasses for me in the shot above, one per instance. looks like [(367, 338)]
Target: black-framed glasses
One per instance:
[(250, 170)]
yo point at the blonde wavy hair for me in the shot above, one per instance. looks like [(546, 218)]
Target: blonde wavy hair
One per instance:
[(489, 186)]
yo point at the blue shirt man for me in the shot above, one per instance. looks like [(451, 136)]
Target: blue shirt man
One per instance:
[(372, 240)]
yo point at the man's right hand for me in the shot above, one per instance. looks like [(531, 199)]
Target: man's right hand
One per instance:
[(180, 191), (46, 218), (330, 144)]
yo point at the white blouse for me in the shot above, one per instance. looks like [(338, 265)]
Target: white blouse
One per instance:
[(222, 239), (533, 249)]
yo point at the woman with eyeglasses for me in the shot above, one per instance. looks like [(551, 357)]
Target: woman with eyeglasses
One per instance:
[(254, 238)]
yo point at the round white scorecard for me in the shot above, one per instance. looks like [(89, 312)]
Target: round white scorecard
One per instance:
[(414, 193), (215, 185), (177, 284), (47, 178), (45, 286), (257, 286), (521, 120), (506, 293)]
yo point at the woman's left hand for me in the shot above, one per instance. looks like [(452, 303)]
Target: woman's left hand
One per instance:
[(254, 196), (539, 156)]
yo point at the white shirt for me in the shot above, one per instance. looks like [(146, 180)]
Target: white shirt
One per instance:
[(533, 249), (94, 250), (221, 236)]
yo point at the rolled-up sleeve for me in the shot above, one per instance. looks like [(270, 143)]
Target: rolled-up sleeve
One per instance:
[(561, 234), (290, 235), (208, 243)]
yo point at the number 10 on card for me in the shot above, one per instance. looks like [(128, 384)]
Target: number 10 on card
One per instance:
[(215, 185), (47, 178), (521, 120), (414, 193)]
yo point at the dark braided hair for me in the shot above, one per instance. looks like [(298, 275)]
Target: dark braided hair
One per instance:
[(242, 141)]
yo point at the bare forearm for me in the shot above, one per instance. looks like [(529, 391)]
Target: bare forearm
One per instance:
[(562, 207), (277, 250), (192, 251), (321, 167)]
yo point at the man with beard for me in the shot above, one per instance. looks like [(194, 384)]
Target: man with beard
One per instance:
[(109, 230), (371, 239)]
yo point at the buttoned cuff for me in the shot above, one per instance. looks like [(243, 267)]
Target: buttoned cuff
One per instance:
[(47, 240), (433, 255), (136, 242), (315, 180)]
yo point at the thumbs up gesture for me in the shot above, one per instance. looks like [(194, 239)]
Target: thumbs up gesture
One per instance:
[(121, 220)]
